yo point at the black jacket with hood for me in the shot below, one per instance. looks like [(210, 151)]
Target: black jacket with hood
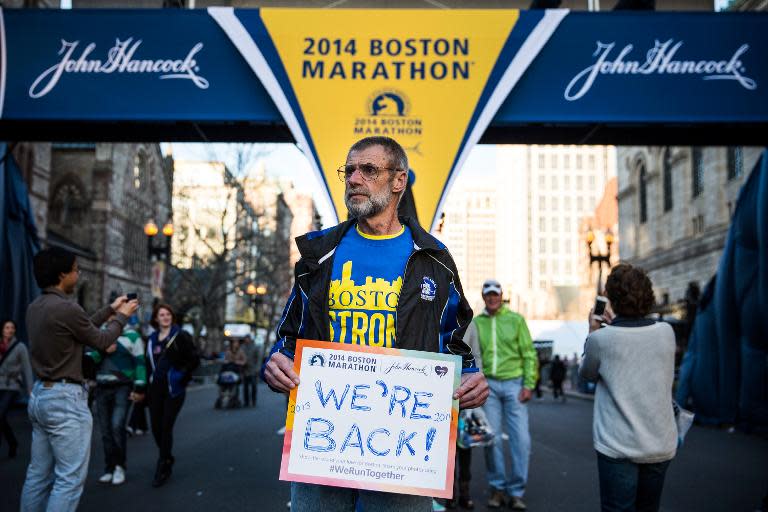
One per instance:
[(432, 312)]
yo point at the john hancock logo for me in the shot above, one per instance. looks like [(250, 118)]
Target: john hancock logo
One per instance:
[(428, 289), (316, 360)]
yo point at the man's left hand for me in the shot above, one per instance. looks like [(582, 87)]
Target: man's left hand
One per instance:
[(525, 395), (473, 391)]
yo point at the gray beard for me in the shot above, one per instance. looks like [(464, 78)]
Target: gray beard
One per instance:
[(373, 205)]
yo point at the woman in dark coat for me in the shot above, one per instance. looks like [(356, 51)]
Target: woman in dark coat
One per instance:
[(171, 359), (15, 377)]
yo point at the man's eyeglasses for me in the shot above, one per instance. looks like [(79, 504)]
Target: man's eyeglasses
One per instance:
[(369, 172)]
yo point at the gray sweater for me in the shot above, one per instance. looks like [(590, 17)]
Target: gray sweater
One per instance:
[(15, 369), (634, 369)]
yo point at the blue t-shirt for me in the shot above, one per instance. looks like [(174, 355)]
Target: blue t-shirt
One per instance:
[(365, 287)]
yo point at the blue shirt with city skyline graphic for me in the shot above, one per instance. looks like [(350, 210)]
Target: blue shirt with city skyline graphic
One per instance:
[(365, 287)]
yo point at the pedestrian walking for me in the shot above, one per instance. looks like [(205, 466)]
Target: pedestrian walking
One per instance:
[(172, 359), (632, 359), (250, 371), (58, 406), (509, 362), (120, 380), (15, 376), (573, 372), (557, 372), (427, 310)]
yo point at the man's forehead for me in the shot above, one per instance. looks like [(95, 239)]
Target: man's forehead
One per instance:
[(371, 152)]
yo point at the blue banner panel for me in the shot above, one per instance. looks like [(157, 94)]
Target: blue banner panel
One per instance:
[(128, 65), (647, 67)]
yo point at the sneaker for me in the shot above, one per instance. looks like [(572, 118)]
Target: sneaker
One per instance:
[(118, 477), (129, 430), (139, 432), (517, 503), (106, 478), (436, 507), (497, 499), (281, 431)]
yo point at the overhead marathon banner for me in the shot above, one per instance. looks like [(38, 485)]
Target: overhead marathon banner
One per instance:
[(372, 418), (435, 80), (431, 79)]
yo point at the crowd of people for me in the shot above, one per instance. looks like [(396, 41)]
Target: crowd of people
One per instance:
[(635, 435)]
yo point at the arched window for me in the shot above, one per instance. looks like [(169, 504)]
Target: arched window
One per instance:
[(667, 170), (68, 203), (735, 162), (697, 172), (140, 171), (643, 193)]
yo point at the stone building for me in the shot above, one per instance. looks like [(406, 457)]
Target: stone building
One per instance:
[(675, 206), (94, 199)]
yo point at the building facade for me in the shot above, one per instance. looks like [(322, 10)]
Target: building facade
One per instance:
[(522, 226), (675, 207), (94, 199)]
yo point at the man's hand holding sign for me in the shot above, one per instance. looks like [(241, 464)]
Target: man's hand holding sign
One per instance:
[(376, 409)]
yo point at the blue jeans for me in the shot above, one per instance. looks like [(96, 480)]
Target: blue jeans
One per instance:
[(626, 486), (505, 413), (311, 497), (61, 447), (111, 410)]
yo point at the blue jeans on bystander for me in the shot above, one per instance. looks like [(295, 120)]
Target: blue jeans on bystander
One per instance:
[(506, 413), (310, 497), (626, 486), (61, 447)]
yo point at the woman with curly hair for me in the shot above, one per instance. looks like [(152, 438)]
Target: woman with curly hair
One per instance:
[(632, 359)]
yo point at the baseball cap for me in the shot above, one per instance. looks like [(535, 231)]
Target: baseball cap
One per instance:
[(491, 286)]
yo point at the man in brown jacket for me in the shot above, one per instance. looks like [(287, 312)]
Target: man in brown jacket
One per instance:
[(58, 407)]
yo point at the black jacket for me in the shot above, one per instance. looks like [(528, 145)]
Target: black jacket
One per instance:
[(428, 317), (182, 356)]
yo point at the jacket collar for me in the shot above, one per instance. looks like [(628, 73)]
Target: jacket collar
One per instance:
[(629, 321), (317, 246), (503, 309), (55, 291)]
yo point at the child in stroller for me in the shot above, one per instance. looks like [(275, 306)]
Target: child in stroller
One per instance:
[(229, 383), (230, 377)]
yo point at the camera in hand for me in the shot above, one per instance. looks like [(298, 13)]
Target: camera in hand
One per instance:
[(133, 296)]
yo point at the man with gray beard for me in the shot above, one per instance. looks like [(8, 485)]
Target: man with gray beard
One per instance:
[(407, 295)]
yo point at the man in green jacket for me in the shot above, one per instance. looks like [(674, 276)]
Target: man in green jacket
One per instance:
[(508, 361)]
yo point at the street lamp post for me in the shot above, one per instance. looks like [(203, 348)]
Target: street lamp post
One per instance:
[(159, 251), (599, 257), (257, 293)]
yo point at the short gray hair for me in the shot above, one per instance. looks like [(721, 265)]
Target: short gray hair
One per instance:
[(398, 158)]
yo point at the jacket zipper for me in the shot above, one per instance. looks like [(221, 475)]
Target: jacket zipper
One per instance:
[(493, 343), (405, 273)]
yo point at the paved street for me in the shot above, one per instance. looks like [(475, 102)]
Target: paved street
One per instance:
[(228, 461)]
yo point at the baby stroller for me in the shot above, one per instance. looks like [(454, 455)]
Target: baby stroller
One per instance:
[(229, 383), (474, 429)]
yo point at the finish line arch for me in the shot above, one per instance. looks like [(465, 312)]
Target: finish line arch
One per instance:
[(439, 81)]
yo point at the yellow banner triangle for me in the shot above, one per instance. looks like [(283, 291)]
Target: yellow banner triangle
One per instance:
[(414, 75)]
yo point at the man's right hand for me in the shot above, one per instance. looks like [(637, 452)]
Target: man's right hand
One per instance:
[(118, 302), (279, 373), (128, 308), (111, 348)]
